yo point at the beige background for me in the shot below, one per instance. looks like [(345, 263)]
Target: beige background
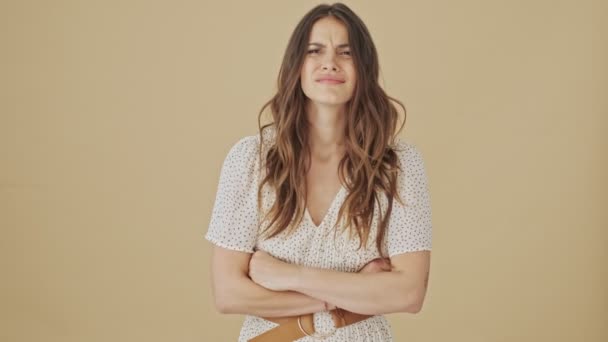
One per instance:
[(116, 116)]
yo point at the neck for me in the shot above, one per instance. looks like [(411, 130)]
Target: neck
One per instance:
[(326, 128)]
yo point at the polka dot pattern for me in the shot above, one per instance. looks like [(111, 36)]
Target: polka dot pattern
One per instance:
[(235, 218), (410, 227)]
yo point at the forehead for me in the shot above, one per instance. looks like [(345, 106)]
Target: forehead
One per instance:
[(328, 30)]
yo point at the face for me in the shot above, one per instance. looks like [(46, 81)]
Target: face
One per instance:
[(328, 56)]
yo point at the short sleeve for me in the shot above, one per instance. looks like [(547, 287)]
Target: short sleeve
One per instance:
[(234, 217), (410, 228)]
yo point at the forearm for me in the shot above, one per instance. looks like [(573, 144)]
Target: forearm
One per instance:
[(247, 297), (364, 293)]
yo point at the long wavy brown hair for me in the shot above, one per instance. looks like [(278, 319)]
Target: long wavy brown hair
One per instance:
[(369, 167)]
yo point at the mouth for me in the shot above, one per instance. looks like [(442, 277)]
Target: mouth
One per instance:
[(330, 81)]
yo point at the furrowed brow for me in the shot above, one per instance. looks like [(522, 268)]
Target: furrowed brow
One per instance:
[(322, 45)]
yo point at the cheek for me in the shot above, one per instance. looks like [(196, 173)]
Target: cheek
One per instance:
[(306, 70), (306, 76), (352, 72), (354, 78)]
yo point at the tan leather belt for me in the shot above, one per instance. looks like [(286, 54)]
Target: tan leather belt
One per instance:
[(294, 327)]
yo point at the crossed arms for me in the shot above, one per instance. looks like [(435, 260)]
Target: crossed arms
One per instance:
[(261, 285)]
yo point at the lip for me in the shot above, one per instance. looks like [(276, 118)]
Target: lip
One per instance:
[(330, 80)]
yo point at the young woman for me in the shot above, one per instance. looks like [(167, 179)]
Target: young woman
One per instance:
[(322, 221)]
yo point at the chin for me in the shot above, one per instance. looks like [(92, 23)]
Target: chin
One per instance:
[(330, 99), (329, 102)]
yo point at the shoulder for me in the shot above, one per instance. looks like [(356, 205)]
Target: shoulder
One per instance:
[(243, 145), (249, 144), (241, 158), (412, 179), (408, 153), (244, 154)]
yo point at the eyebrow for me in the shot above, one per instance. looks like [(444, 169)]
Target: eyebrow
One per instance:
[(322, 45)]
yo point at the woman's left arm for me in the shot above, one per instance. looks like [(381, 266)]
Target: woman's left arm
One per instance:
[(401, 290)]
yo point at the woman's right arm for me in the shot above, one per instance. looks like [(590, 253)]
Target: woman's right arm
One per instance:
[(235, 293)]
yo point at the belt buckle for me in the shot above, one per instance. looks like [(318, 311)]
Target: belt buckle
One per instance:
[(319, 336)]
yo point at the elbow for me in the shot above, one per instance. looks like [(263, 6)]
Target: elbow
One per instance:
[(413, 308), (224, 306), (221, 307), (231, 297), (414, 302), (224, 302)]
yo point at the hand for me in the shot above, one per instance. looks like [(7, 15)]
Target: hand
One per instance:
[(270, 272), (377, 265)]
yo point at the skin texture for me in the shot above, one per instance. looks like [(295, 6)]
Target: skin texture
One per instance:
[(326, 102), (330, 60), (235, 292), (401, 290)]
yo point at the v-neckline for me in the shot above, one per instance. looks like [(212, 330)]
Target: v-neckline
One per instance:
[(328, 212)]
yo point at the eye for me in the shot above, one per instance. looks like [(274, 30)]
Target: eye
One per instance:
[(313, 51), (347, 52)]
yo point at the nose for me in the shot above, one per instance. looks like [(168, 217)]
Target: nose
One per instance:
[(329, 63)]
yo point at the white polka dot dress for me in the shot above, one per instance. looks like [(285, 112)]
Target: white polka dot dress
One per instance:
[(234, 225)]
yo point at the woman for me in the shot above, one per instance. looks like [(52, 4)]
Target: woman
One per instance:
[(308, 239)]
